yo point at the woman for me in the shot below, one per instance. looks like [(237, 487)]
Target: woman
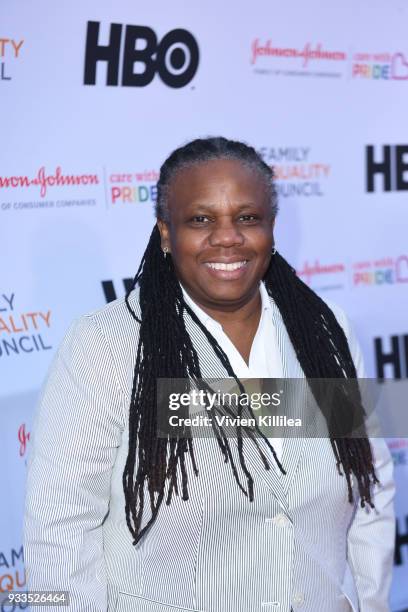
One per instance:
[(246, 525)]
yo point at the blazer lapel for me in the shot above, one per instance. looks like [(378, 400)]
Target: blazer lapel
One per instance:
[(292, 447), (272, 478)]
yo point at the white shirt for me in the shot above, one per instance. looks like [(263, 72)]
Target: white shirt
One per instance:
[(264, 359)]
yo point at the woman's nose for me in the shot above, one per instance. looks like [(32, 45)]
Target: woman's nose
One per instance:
[(226, 235)]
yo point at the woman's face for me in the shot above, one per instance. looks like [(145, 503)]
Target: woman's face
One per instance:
[(219, 232)]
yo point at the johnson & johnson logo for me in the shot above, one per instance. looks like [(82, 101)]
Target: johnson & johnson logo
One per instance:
[(44, 180), (307, 54)]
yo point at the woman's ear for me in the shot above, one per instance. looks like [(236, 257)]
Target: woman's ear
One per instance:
[(164, 233)]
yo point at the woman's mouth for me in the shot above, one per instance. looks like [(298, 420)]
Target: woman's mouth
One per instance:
[(227, 271)]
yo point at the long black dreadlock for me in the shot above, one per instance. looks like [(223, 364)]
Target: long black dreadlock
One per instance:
[(165, 350)]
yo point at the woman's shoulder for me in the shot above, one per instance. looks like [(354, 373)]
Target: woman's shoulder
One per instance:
[(348, 328), (340, 315), (121, 313), (111, 327)]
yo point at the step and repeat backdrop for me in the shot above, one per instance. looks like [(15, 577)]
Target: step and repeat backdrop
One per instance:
[(93, 98)]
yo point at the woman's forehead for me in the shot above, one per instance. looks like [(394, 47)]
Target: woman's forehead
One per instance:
[(218, 173)]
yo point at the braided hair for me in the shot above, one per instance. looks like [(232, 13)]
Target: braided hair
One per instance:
[(165, 350)]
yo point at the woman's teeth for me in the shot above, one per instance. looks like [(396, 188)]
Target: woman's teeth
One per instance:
[(229, 267)]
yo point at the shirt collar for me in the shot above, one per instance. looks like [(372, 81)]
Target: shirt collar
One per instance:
[(205, 318), (266, 302)]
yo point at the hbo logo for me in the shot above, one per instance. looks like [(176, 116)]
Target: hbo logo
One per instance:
[(174, 58)]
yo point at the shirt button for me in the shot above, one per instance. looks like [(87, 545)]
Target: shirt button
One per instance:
[(281, 520), (298, 599)]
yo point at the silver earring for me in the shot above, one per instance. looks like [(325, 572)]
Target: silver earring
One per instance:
[(273, 251), (165, 251)]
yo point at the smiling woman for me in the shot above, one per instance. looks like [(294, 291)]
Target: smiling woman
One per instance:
[(248, 521), (218, 228)]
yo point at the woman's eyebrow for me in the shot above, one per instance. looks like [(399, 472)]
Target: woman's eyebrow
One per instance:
[(211, 206)]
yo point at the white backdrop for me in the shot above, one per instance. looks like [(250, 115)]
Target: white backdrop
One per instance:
[(320, 89)]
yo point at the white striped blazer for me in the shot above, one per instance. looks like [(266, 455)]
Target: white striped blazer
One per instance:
[(299, 545)]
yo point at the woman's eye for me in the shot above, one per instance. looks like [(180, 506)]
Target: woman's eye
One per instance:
[(248, 218), (199, 219), (203, 219)]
